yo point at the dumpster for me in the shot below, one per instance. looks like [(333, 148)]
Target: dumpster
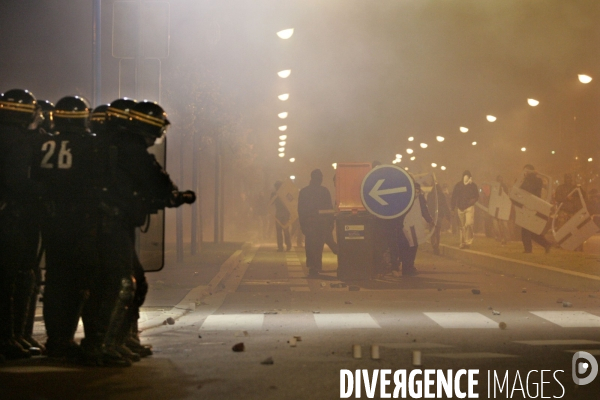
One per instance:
[(353, 223)]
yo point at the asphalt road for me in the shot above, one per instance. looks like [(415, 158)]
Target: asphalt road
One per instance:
[(450, 314)]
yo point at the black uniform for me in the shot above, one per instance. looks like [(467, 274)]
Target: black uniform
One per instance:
[(19, 235), (65, 164), (533, 184)]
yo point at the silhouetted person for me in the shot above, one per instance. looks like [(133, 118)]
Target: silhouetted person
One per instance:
[(443, 212), (315, 225), (464, 197), (282, 217), (532, 184)]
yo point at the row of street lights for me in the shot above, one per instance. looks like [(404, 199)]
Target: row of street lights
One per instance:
[(284, 34), (585, 79)]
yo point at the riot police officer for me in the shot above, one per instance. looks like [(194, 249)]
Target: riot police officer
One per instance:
[(19, 231), (64, 164)]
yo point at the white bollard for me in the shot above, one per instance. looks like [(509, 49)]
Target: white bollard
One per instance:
[(416, 359), (357, 351), (375, 352)]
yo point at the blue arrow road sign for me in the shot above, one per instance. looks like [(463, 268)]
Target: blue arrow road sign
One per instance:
[(387, 191)]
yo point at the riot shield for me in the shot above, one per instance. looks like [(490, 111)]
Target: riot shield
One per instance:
[(150, 239), (415, 228)]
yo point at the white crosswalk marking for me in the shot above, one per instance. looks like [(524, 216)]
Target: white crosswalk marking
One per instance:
[(455, 320), (570, 319), (233, 322), (345, 321)]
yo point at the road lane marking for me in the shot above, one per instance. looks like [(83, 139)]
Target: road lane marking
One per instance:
[(233, 322), (345, 321), (570, 319), (457, 320)]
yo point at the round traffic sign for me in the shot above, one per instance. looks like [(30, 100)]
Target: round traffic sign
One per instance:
[(387, 191)]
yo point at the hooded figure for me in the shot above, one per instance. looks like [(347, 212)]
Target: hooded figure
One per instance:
[(315, 226), (464, 197), (282, 217)]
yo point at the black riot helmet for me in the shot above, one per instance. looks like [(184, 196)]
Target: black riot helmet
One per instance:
[(46, 118), (98, 119), (71, 114), (118, 114), (18, 107), (149, 120)]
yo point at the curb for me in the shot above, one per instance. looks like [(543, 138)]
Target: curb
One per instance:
[(545, 274), (196, 294)]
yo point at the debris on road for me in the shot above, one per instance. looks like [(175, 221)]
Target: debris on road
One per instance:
[(199, 336), (298, 338), (270, 312), (502, 325), (495, 312), (323, 284), (169, 321), (242, 333), (338, 285), (238, 347), (267, 361), (524, 290), (475, 291), (347, 302), (356, 351), (567, 304), (316, 312), (416, 358), (292, 342), (375, 352)]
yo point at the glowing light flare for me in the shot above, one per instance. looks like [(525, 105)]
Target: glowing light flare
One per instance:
[(334, 165), (398, 155), (406, 168), (282, 143), (423, 145), (282, 137), (292, 160), (281, 149), (283, 97), (283, 128), (590, 159), (532, 102), (474, 143), (413, 158), (281, 155), (282, 115), (410, 139), (490, 118), (409, 151), (553, 152), (292, 177), (523, 149), (443, 168), (285, 73), (286, 33), (463, 129), (433, 164), (440, 138), (584, 78)]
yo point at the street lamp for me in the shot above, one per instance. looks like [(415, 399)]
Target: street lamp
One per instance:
[(523, 149), (334, 165), (439, 138), (281, 149), (423, 145), (292, 159), (584, 78), (590, 159), (490, 118), (281, 155), (463, 129), (532, 102), (474, 143), (286, 33), (410, 139), (409, 151), (282, 115), (282, 137), (283, 97), (433, 164), (283, 128), (412, 158), (285, 73), (443, 168), (282, 143)]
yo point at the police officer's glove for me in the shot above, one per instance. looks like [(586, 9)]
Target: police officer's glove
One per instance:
[(179, 198)]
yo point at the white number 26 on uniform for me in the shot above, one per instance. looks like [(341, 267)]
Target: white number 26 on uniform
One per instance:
[(65, 158)]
